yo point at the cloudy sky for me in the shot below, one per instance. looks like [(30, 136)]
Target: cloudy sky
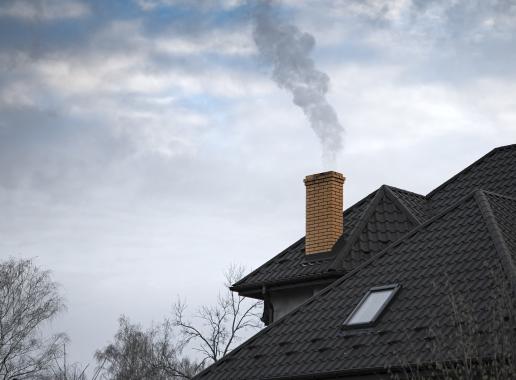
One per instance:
[(144, 146)]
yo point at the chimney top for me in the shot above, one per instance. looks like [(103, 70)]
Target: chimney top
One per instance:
[(324, 176)]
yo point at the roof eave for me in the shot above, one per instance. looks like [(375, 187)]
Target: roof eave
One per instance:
[(289, 283)]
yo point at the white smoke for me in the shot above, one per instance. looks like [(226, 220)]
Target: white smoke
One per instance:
[(288, 50)]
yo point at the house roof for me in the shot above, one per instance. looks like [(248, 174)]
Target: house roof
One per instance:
[(462, 253), (456, 243), (379, 219)]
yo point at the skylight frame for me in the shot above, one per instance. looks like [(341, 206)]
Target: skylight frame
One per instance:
[(394, 287)]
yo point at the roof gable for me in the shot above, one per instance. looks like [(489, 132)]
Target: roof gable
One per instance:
[(385, 221), (454, 252)]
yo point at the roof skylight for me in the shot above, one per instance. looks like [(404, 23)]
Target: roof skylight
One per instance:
[(371, 306)]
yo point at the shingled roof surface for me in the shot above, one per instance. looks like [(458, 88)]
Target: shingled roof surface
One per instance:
[(494, 172), (462, 253), (375, 229)]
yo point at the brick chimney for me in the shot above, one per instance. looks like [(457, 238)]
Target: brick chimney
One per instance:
[(324, 201)]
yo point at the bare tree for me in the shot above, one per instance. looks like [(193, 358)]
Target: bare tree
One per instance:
[(28, 299), (155, 353), (167, 355), (136, 354), (214, 330), (61, 369)]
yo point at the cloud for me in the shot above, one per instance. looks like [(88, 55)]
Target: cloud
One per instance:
[(167, 99), (169, 62), (49, 151), (217, 42), (149, 5), (137, 106), (43, 10), (387, 111)]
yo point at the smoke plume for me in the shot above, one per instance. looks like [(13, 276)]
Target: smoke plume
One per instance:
[(288, 50)]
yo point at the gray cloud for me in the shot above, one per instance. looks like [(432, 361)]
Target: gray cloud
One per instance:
[(205, 5), (433, 41), (43, 10), (55, 154)]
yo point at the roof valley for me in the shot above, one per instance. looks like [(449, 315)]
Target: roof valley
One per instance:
[(506, 258), (348, 243)]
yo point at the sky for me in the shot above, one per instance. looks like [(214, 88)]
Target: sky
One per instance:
[(146, 145)]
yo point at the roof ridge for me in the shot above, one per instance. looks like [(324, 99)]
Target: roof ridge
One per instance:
[(401, 204), (405, 191), (496, 234), (469, 167), (350, 274), (488, 192)]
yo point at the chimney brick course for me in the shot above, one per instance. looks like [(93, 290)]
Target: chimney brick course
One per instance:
[(324, 204)]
